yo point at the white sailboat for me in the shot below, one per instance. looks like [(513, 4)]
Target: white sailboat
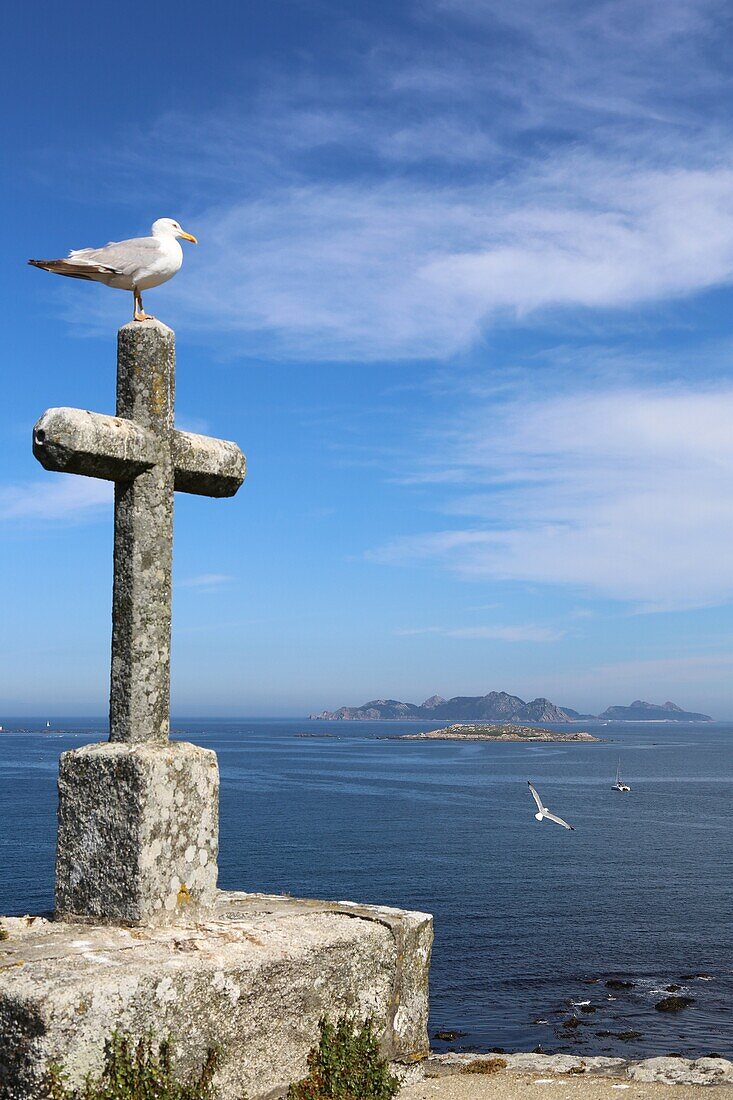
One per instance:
[(619, 785)]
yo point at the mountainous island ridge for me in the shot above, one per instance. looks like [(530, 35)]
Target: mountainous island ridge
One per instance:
[(499, 706)]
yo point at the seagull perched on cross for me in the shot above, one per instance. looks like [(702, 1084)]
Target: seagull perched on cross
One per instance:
[(136, 265)]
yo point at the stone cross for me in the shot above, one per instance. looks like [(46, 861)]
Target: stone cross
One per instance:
[(138, 816)]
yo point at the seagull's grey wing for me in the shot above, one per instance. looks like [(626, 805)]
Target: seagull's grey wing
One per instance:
[(122, 257), (559, 821), (537, 798), (94, 272)]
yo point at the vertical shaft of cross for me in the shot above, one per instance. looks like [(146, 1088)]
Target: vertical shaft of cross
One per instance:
[(143, 542)]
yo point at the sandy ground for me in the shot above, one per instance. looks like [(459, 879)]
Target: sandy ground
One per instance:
[(506, 1085)]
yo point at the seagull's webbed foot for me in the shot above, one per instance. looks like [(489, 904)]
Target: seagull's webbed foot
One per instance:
[(138, 313)]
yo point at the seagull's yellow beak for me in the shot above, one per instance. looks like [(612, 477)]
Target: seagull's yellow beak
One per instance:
[(188, 237)]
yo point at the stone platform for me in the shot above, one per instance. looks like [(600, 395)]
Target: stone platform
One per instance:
[(254, 978)]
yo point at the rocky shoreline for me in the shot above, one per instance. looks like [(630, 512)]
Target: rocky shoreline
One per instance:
[(660, 1070), (492, 732)]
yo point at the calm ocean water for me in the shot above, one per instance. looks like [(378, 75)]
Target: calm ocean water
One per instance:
[(529, 918)]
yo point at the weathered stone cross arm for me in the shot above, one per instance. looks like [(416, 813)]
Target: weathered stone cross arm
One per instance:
[(148, 460), (116, 449)]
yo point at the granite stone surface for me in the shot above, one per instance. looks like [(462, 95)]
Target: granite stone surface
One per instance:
[(255, 978), (143, 546), (148, 460), (138, 832)]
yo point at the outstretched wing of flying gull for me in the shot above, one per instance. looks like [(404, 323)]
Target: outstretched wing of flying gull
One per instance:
[(537, 798), (543, 813)]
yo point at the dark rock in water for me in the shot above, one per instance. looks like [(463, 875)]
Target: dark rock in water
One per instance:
[(618, 983), (448, 1036), (571, 1023), (715, 1054), (628, 1036), (693, 977), (497, 1050), (672, 988), (674, 1004), (588, 1008), (590, 981)]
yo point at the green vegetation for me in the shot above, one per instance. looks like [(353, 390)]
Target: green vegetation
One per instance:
[(136, 1070), (346, 1065)]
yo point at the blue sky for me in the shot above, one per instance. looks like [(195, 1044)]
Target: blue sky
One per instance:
[(462, 294)]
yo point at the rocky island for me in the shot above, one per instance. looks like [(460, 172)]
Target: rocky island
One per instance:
[(493, 732), (499, 706), (639, 711)]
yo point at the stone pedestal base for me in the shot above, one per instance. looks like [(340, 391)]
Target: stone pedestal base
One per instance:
[(138, 832), (255, 979)]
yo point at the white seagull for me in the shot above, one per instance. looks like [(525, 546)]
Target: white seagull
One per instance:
[(545, 813), (136, 265)]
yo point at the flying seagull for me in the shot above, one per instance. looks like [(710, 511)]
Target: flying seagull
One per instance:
[(545, 813), (136, 265)]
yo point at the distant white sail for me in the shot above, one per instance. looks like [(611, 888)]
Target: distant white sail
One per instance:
[(619, 785)]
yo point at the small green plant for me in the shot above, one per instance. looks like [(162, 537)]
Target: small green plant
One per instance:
[(136, 1070), (346, 1065), (485, 1065)]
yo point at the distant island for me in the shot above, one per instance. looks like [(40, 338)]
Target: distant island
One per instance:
[(489, 732), (498, 706), (640, 711)]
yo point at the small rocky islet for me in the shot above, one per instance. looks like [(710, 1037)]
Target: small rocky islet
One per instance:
[(489, 731)]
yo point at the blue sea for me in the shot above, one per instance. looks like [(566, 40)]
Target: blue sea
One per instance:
[(530, 919)]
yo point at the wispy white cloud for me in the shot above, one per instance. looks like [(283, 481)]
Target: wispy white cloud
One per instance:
[(536, 159), (521, 633), (603, 59), (621, 494), (63, 497), (206, 582), (400, 270), (195, 424)]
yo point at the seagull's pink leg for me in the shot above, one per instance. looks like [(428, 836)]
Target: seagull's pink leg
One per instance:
[(140, 314)]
